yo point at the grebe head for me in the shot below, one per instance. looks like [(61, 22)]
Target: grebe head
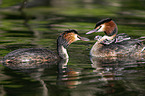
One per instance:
[(107, 26), (68, 37), (65, 39)]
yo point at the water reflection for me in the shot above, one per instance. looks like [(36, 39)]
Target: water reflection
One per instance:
[(45, 74), (124, 74), (107, 76), (18, 77), (27, 79), (59, 76)]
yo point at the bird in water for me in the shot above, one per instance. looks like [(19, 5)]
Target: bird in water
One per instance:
[(113, 44), (39, 55)]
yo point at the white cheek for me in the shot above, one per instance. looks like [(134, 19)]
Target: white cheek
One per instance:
[(76, 38)]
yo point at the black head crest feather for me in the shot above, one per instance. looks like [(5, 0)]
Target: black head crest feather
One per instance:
[(102, 21), (62, 41), (70, 31)]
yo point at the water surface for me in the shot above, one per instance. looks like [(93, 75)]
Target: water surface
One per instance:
[(38, 26)]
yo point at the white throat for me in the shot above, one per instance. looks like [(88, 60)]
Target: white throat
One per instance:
[(63, 52)]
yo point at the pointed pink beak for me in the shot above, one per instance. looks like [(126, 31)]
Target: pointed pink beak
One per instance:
[(92, 31)]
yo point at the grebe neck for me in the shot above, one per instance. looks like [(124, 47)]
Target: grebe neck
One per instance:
[(62, 52)]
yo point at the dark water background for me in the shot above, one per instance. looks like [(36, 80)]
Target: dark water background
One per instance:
[(37, 24)]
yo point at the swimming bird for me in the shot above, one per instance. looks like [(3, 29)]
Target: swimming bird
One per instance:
[(113, 44), (40, 55)]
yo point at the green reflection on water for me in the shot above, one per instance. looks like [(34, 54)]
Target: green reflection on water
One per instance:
[(45, 25)]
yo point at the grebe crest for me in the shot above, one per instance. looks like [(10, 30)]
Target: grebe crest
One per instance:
[(20, 57), (64, 40), (68, 37), (112, 44)]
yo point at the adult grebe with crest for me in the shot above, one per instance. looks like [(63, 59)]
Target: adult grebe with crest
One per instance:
[(39, 55), (113, 44)]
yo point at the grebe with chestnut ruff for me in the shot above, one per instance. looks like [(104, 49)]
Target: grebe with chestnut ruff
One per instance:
[(113, 44)]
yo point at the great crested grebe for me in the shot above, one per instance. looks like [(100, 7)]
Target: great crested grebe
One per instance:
[(41, 54), (112, 44)]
